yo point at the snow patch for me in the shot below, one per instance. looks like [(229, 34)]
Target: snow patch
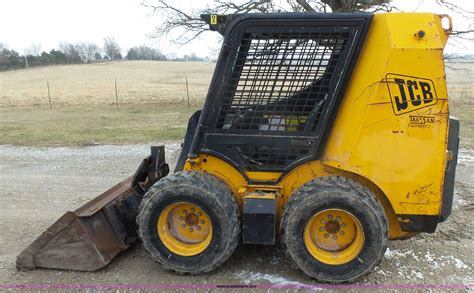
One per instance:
[(430, 258), (396, 254), (417, 275), (457, 262), (254, 277)]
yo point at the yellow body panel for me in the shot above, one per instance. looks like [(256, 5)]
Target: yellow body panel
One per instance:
[(402, 154), (395, 147)]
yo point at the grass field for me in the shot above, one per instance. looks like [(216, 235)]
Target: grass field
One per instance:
[(138, 82), (152, 102), (461, 98), (80, 125)]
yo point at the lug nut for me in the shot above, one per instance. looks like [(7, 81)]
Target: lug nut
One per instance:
[(343, 225), (202, 221), (185, 212), (192, 209), (334, 237), (341, 233), (199, 214), (181, 218), (198, 228), (322, 221), (338, 218), (321, 229), (190, 229), (326, 235), (183, 226), (329, 217)]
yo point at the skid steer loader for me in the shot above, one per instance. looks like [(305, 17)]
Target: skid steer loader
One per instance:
[(328, 132)]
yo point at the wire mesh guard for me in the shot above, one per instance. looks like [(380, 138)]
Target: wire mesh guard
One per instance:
[(280, 81), (280, 84)]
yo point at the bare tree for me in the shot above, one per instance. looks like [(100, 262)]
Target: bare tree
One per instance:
[(467, 33), (145, 53), (112, 49), (71, 52), (92, 50), (87, 51), (33, 49), (81, 49), (189, 21)]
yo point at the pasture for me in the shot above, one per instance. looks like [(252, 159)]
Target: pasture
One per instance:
[(152, 99)]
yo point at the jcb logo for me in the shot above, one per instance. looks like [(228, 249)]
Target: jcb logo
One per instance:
[(409, 93)]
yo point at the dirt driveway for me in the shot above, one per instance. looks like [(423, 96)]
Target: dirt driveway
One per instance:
[(37, 185)]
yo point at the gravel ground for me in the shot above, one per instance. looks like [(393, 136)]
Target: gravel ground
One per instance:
[(39, 184)]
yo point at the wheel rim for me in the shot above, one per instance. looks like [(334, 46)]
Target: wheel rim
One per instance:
[(184, 228), (334, 236)]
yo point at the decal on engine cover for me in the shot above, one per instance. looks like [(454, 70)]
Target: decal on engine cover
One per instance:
[(421, 121), (410, 93)]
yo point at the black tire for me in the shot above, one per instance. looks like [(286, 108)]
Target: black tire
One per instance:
[(341, 193), (205, 191)]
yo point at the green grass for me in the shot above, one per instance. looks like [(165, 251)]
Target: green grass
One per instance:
[(86, 125), (81, 125)]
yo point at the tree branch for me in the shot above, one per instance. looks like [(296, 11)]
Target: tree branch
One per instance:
[(190, 25)]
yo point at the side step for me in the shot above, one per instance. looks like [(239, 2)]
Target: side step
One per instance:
[(90, 237)]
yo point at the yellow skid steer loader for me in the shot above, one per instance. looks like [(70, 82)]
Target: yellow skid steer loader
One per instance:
[(328, 132)]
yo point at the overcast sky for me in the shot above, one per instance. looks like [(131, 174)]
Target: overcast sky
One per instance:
[(48, 22)]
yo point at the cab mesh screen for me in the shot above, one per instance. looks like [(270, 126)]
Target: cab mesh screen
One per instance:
[(280, 81)]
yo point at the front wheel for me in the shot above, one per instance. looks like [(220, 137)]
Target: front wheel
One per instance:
[(189, 222), (334, 229)]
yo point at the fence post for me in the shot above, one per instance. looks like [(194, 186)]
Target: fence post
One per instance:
[(187, 90), (49, 95), (116, 94)]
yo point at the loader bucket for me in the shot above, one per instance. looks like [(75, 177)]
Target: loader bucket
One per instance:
[(90, 237)]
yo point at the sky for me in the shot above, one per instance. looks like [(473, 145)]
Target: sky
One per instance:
[(49, 22)]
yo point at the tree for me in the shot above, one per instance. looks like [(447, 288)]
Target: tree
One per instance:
[(92, 51), (188, 24), (132, 54), (44, 59), (145, 53), (10, 59), (97, 56), (70, 50), (87, 51), (112, 49), (195, 57), (81, 49), (191, 24), (33, 49), (57, 57), (464, 34)]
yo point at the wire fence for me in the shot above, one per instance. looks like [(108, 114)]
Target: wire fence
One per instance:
[(127, 84), (138, 83)]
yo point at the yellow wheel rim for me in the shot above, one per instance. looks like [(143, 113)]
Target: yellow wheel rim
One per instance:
[(334, 236), (184, 228)]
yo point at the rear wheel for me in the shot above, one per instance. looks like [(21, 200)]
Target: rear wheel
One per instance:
[(189, 222), (334, 229)]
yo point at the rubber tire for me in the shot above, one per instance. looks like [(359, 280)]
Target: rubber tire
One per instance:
[(210, 194), (334, 192)]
